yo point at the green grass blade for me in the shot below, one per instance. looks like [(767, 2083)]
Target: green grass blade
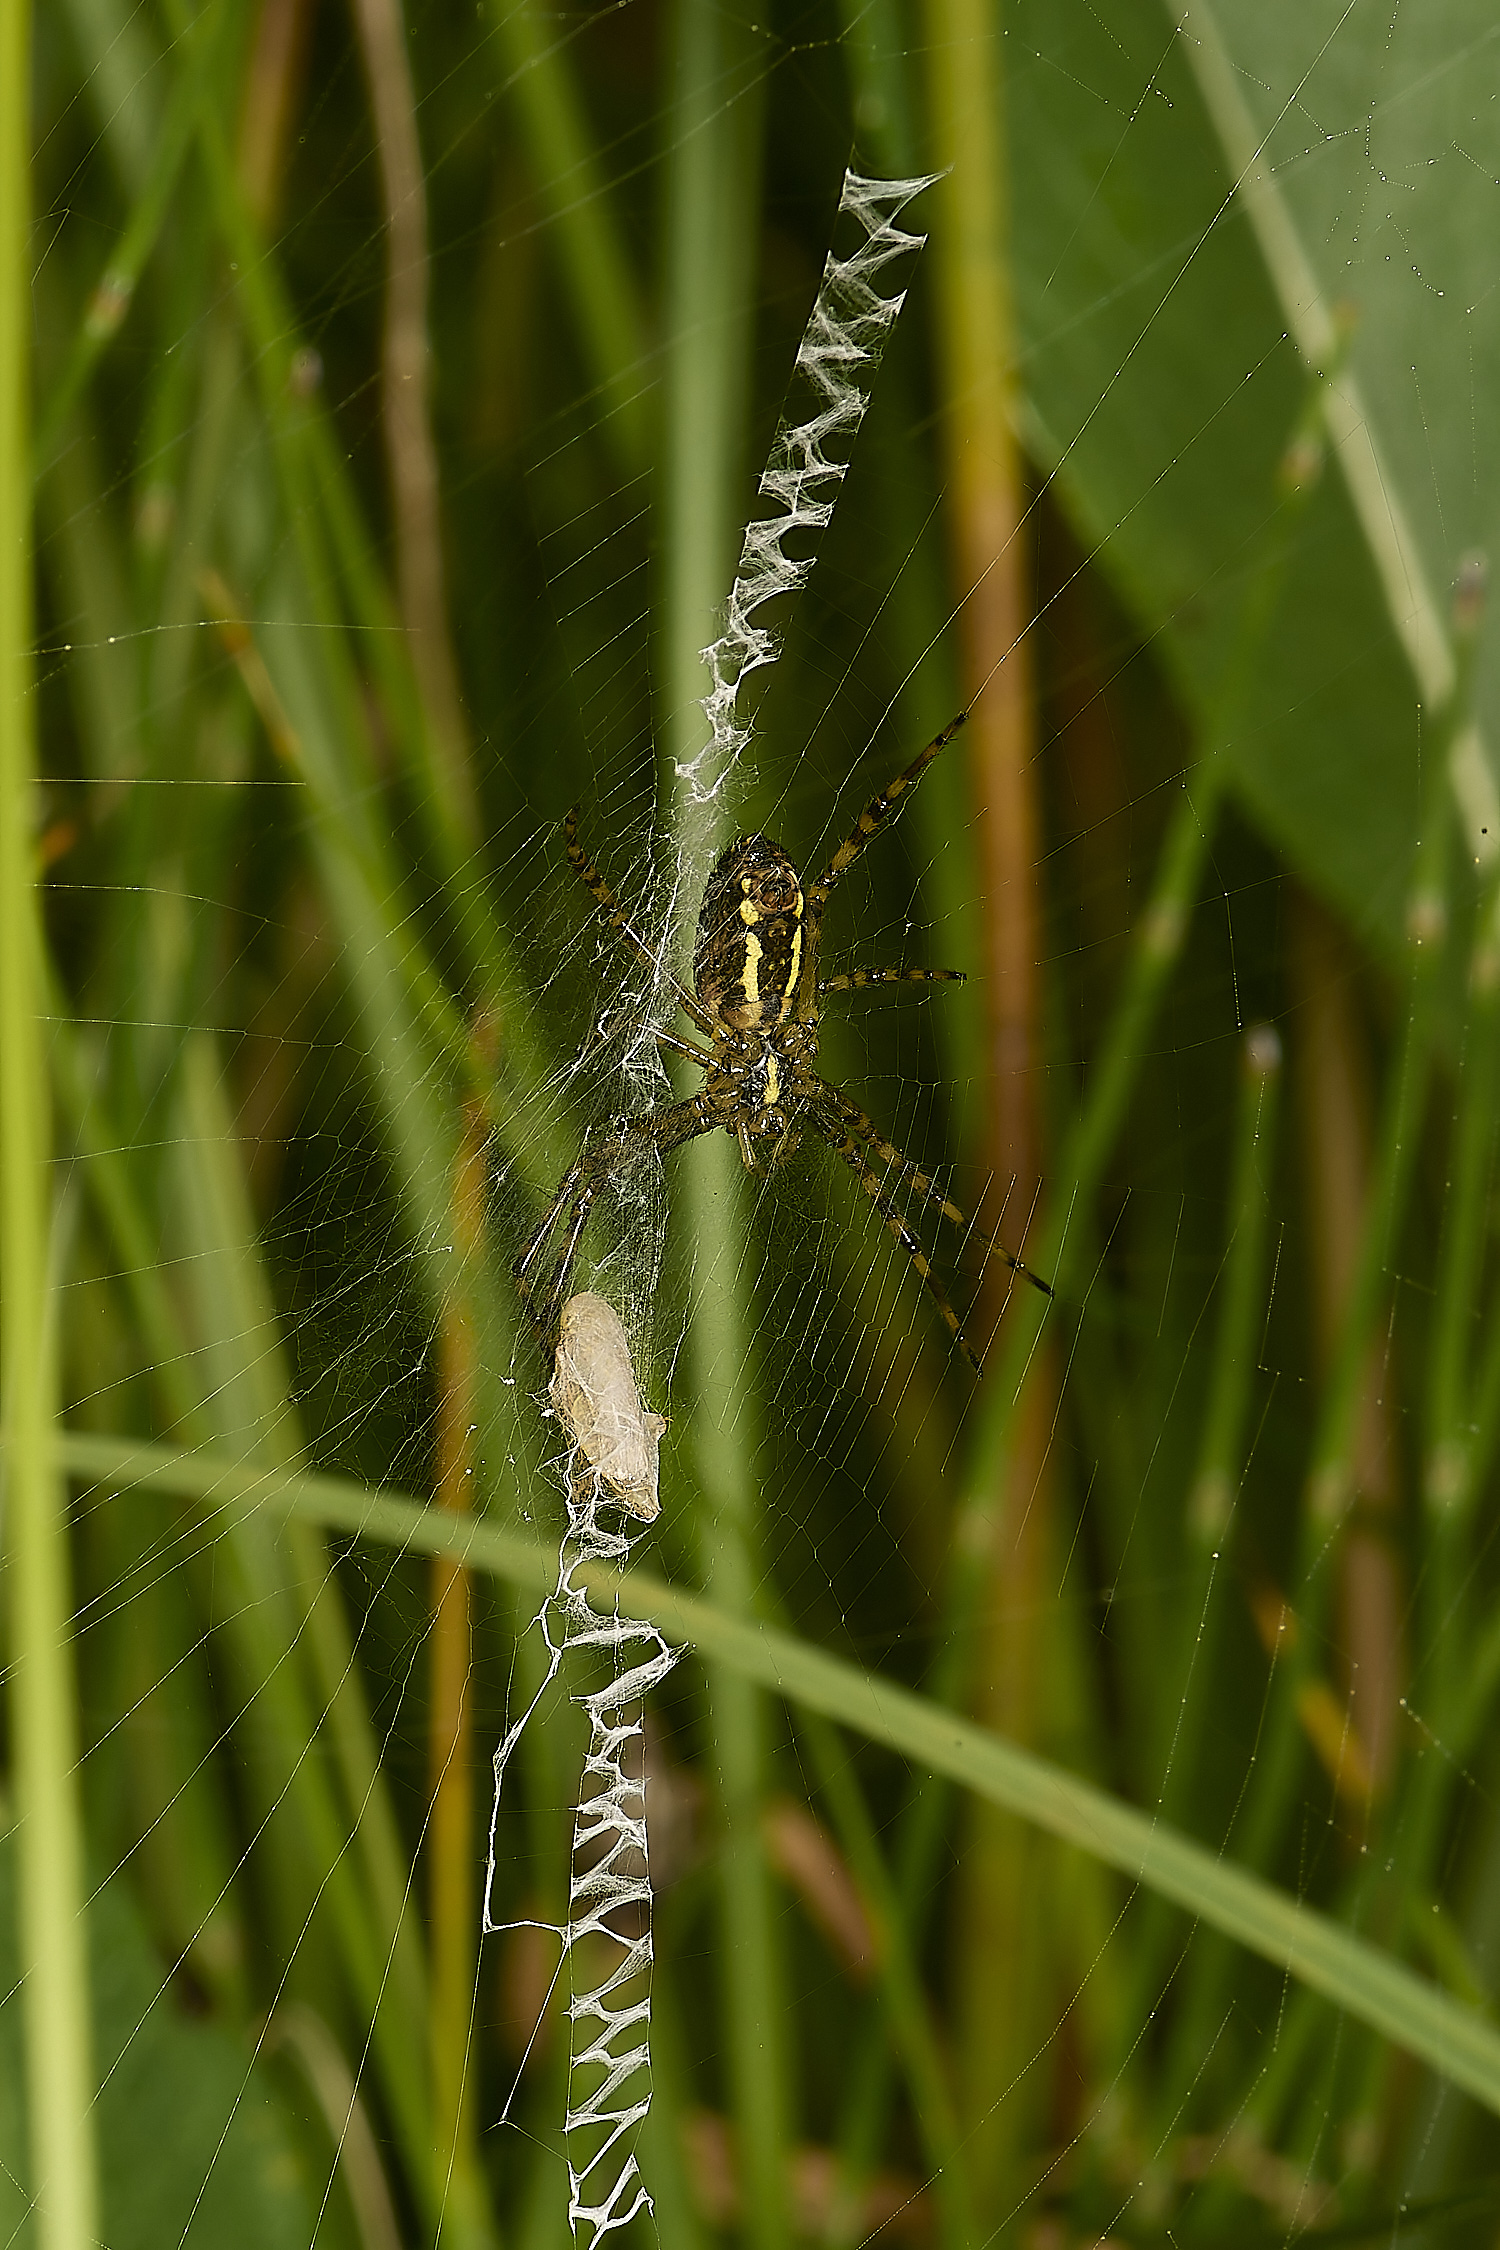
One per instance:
[(247, 1406), (1188, 1681), (1458, 2043), (113, 293), (1411, 596), (605, 297), (713, 204), (43, 1716), (908, 2017)]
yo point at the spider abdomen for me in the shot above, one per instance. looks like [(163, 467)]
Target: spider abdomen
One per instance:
[(755, 956)]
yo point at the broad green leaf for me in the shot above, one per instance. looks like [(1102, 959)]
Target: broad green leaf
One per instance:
[(1164, 382), (1365, 151), (193, 2146)]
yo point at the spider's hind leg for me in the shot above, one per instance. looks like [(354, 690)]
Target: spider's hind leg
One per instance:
[(661, 1129), (865, 1129), (577, 1188), (843, 1145)]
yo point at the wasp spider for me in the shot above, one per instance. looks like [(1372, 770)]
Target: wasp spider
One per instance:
[(756, 1001)]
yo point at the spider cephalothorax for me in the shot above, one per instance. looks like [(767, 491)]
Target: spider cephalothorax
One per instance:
[(755, 1000)]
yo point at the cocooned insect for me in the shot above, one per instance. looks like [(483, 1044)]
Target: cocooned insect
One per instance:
[(594, 1392)]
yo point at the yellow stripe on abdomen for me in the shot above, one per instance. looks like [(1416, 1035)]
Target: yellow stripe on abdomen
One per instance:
[(788, 997), (753, 951)]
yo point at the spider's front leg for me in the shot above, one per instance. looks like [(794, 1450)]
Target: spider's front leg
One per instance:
[(876, 813), (856, 980)]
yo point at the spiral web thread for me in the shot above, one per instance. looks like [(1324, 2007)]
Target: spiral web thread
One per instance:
[(841, 349), (609, 1891)]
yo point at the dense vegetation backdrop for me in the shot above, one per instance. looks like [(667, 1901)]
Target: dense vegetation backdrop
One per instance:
[(399, 388)]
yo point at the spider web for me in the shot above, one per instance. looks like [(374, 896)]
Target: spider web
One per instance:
[(299, 1004), (610, 2053)]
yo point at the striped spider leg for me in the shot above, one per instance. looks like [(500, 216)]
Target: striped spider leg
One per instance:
[(660, 1129), (754, 1003), (846, 1128)]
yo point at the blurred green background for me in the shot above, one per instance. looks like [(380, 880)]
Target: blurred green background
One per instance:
[(399, 390)]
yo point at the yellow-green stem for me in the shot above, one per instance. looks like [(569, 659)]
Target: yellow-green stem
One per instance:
[(1198, 1602), (591, 252), (711, 252), (44, 1744)]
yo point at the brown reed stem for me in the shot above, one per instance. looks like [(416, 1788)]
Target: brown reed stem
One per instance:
[(996, 1936), (272, 83), (411, 455), (452, 1852), (1337, 1112)]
